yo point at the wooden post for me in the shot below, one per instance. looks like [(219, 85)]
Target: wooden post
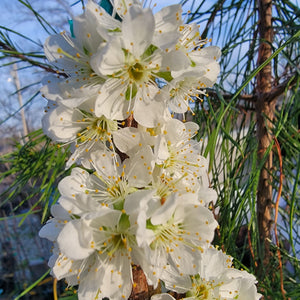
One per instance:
[(15, 76)]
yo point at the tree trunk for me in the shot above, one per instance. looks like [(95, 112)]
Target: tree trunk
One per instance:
[(265, 115)]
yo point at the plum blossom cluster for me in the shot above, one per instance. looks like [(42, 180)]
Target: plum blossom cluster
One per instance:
[(137, 195)]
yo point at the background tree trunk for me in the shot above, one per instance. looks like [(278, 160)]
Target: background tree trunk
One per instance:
[(265, 115)]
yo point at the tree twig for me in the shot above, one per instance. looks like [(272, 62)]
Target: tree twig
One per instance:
[(27, 59)]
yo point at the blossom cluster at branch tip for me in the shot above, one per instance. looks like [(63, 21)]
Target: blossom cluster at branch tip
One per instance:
[(137, 195)]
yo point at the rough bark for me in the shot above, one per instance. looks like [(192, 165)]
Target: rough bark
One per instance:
[(265, 115), (141, 290)]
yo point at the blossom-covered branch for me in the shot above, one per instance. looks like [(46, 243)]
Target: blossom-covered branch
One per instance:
[(151, 208)]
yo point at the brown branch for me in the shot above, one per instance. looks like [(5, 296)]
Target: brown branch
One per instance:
[(246, 97), (280, 89), (131, 122), (27, 59), (141, 290), (268, 97), (211, 18)]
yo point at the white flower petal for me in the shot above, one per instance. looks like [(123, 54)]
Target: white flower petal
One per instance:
[(209, 79), (186, 260), (162, 297), (84, 28), (79, 205), (206, 55), (51, 89), (149, 114), (51, 46), (164, 213), (140, 168), (104, 217), (175, 61), (54, 226), (168, 19), (142, 201), (242, 282), (59, 213), (192, 128), (130, 139), (176, 281), (139, 258), (51, 262), (73, 184), (110, 103), (73, 240), (121, 6), (51, 230), (58, 123), (109, 59), (207, 195), (204, 225), (62, 267), (138, 29), (105, 163), (117, 278), (161, 150), (167, 22)]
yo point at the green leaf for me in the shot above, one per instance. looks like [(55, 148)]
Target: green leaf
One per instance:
[(148, 52), (165, 75)]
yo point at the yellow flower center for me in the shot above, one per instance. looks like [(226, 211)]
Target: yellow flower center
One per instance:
[(136, 72)]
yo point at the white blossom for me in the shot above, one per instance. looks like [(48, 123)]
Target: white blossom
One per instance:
[(145, 196), (216, 279), (95, 253), (72, 54), (173, 232), (79, 127), (131, 62), (110, 183)]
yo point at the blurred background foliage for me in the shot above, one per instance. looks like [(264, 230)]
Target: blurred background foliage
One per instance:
[(229, 136)]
